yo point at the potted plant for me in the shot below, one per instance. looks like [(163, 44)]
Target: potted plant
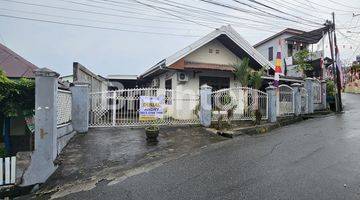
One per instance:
[(152, 133)]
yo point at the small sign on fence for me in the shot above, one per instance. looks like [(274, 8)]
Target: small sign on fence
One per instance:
[(151, 108)]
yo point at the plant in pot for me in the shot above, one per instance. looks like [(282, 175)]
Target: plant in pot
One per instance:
[(152, 133)]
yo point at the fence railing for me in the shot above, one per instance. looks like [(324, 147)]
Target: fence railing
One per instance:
[(7, 170), (122, 107), (286, 105), (240, 103), (63, 107)]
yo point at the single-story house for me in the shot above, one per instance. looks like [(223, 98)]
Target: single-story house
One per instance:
[(210, 60)]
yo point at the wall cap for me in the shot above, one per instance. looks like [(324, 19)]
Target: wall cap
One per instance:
[(205, 86), (270, 88), (46, 72)]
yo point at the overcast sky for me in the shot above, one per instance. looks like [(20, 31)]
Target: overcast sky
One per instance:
[(117, 52)]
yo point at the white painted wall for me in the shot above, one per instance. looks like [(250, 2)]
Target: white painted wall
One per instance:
[(202, 55)]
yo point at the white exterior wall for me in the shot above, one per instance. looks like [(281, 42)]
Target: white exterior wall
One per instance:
[(202, 55)]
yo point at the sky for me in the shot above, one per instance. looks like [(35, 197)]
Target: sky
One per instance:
[(123, 51)]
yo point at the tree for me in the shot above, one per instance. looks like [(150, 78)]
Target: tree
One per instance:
[(302, 61), (242, 72), (255, 79)]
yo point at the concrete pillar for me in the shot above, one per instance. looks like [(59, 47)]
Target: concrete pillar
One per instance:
[(80, 106), (272, 103), (41, 167), (205, 105), (323, 94), (297, 98), (309, 87)]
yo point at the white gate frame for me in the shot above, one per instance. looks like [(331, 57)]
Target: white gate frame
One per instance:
[(7, 170), (285, 92), (120, 108)]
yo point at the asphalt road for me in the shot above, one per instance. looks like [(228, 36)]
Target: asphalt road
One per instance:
[(315, 159)]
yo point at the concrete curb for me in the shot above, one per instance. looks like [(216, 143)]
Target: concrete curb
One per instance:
[(262, 129)]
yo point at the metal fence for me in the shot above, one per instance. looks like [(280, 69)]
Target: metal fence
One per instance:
[(7, 170), (317, 91), (63, 107), (304, 101), (286, 105), (121, 107), (240, 103)]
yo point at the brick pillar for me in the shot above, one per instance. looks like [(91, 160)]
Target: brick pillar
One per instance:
[(309, 87), (80, 107), (42, 166), (205, 105), (272, 104), (297, 98)]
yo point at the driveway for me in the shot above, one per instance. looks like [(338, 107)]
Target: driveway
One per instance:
[(315, 159), (105, 154)]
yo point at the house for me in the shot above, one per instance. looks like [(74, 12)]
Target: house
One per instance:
[(17, 132), (210, 60), (289, 42)]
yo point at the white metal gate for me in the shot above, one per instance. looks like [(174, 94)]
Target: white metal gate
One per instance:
[(7, 170), (286, 105), (304, 100), (121, 107), (242, 102)]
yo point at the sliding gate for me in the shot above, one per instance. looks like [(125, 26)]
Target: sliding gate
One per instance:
[(122, 107)]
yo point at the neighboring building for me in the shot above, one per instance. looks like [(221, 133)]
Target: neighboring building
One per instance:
[(210, 60), (118, 82), (289, 42), (14, 65), (18, 129), (82, 74)]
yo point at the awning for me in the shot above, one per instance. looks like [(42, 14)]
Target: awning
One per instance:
[(311, 37)]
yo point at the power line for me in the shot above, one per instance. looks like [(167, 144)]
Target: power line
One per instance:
[(278, 10), (96, 27), (88, 11), (93, 20), (251, 12)]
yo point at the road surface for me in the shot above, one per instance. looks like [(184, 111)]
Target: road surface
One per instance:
[(314, 159)]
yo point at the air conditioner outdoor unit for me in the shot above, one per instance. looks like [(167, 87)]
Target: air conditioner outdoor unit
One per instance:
[(155, 83), (182, 77)]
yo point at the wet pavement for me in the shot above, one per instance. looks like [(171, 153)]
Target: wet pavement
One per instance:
[(314, 159), (105, 154)]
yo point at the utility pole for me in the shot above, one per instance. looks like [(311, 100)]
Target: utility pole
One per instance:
[(336, 71), (329, 24)]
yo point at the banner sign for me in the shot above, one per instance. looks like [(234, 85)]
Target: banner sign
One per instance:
[(151, 108)]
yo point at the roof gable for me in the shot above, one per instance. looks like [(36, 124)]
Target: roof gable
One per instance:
[(230, 33)]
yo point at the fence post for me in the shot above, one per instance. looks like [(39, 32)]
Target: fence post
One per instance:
[(323, 94), (42, 166), (272, 103), (80, 106), (309, 82), (205, 105), (297, 98)]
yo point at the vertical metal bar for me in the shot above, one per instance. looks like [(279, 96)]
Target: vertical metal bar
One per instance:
[(114, 109), (13, 168), (1, 171), (7, 170)]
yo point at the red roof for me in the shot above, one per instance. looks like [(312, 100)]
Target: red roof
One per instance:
[(14, 65)]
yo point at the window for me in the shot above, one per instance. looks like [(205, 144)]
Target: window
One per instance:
[(217, 51), (290, 50), (168, 92), (210, 50), (271, 53)]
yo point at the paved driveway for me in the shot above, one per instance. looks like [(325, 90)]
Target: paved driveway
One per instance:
[(315, 159)]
